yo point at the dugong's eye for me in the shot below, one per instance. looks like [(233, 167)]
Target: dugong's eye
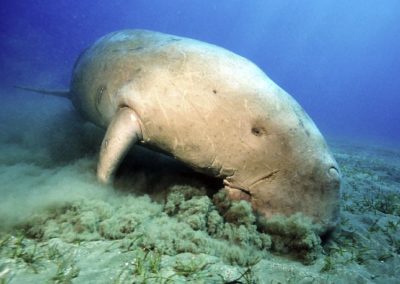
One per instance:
[(258, 131)]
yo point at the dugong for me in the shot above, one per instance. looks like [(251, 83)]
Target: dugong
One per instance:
[(215, 111)]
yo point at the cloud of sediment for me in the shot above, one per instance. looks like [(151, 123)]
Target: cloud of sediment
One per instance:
[(47, 156)]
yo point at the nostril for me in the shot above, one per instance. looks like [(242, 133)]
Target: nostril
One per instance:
[(333, 180), (334, 173)]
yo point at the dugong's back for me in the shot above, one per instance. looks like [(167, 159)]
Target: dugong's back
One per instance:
[(188, 94)]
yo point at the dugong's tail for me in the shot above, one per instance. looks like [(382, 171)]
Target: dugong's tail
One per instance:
[(57, 93)]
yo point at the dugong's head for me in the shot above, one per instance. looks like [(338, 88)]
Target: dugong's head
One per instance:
[(282, 162)]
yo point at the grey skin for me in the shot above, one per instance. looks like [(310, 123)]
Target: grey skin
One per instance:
[(213, 110)]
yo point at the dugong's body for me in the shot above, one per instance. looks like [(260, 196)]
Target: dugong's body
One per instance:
[(211, 109)]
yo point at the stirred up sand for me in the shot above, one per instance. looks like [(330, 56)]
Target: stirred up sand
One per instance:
[(162, 223)]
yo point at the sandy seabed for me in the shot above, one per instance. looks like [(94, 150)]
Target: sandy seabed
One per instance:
[(161, 223)]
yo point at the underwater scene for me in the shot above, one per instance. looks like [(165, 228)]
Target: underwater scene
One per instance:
[(190, 141)]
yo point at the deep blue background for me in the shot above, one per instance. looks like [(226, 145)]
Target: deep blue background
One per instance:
[(340, 59)]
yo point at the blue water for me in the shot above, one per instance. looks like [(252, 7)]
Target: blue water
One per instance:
[(339, 59)]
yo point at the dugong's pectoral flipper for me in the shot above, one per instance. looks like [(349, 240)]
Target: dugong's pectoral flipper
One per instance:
[(123, 131)]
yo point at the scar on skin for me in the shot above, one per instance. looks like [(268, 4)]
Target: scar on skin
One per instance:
[(105, 145), (99, 95)]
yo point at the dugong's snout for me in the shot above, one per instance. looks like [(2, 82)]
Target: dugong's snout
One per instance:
[(311, 189)]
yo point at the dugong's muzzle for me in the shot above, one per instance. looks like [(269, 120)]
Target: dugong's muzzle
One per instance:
[(311, 188), (314, 192)]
